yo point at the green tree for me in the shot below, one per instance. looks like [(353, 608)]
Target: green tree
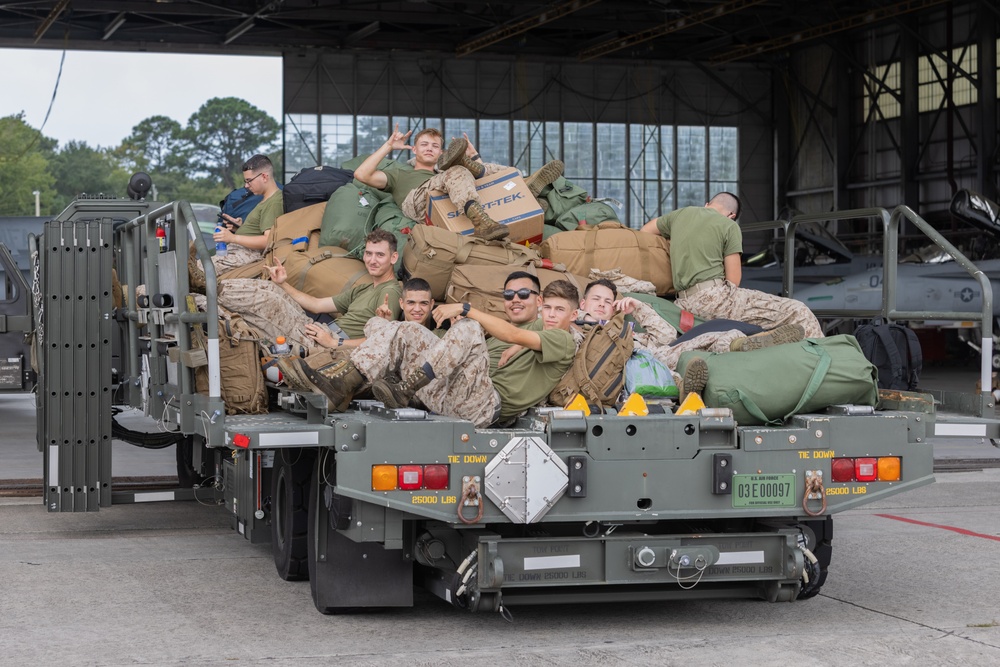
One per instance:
[(78, 168), (24, 168), (156, 144), (224, 132)]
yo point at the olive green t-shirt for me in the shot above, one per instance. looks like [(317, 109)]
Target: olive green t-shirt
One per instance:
[(401, 182), (527, 379), (700, 238), (358, 306), (263, 215)]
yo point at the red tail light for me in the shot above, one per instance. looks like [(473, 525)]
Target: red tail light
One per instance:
[(842, 470), (866, 470), (436, 477), (410, 477)]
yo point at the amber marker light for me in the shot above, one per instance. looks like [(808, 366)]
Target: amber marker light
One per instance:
[(384, 478), (889, 469)]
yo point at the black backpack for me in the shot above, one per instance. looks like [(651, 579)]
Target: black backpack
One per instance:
[(895, 351), (313, 185)]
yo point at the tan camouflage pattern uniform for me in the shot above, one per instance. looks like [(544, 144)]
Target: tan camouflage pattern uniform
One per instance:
[(267, 307), (660, 334), (238, 255), (746, 305), (457, 181), (461, 362)]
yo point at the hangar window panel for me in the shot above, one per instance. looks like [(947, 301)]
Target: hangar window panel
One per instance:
[(454, 127), (934, 71), (494, 141), (691, 194), (337, 139), (529, 145), (372, 133), (644, 151), (644, 203), (878, 82), (611, 150), (614, 188), (723, 162), (691, 167), (578, 152), (301, 143)]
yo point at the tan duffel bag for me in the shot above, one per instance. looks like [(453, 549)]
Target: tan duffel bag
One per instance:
[(432, 252), (611, 245), (325, 271), (482, 286)]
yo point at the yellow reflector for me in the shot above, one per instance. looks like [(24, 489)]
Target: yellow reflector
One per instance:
[(691, 404), (383, 478), (579, 403), (888, 469), (634, 407)]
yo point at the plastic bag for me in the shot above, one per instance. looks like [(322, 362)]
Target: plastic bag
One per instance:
[(646, 376)]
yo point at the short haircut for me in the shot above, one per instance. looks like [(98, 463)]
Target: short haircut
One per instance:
[(379, 235), (416, 285), (727, 200), (432, 131), (258, 163), (517, 275), (562, 289), (603, 282)]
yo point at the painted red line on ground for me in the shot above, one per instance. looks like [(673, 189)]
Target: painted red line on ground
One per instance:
[(960, 531)]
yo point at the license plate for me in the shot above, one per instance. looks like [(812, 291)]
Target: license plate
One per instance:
[(764, 490)]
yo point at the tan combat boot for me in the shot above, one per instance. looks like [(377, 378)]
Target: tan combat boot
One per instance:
[(398, 395), (549, 172), (339, 380), (485, 226), (453, 154), (786, 333)]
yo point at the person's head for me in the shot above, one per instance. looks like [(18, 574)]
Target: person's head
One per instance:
[(725, 203), (522, 297), (599, 299), (416, 302), (427, 146), (559, 299), (380, 254), (258, 174)]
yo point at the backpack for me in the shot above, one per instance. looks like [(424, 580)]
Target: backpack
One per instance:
[(238, 204), (350, 215), (562, 195), (313, 185), (391, 218), (598, 370), (243, 388), (895, 351)]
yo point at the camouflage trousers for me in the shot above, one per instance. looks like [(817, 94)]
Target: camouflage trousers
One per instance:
[(457, 182), (460, 360), (267, 307), (746, 305), (237, 255), (713, 341)]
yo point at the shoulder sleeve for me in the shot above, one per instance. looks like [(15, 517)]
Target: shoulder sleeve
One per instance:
[(664, 222), (343, 300), (390, 179), (557, 346), (733, 241)]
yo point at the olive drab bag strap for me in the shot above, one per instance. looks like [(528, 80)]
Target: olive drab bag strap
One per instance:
[(598, 369), (812, 386)]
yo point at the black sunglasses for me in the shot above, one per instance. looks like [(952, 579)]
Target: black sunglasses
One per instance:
[(522, 294)]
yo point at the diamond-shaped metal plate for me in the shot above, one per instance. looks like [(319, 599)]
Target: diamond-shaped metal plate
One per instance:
[(526, 479)]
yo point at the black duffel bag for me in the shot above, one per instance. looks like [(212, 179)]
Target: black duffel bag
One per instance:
[(313, 185)]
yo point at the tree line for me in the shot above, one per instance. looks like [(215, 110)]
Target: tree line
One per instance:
[(198, 162)]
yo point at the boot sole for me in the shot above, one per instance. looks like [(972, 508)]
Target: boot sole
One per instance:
[(695, 377), (452, 154), (384, 394), (786, 333), (545, 176)]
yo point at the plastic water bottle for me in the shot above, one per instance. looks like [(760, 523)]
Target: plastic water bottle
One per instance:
[(280, 346), (220, 246)]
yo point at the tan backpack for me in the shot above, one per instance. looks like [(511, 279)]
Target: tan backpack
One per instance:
[(598, 370), (611, 245), (243, 387)]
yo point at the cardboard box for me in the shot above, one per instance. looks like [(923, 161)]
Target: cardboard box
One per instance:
[(506, 199)]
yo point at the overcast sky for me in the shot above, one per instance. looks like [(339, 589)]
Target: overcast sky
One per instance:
[(102, 95)]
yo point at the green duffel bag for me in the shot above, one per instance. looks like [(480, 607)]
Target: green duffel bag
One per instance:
[(391, 218), (770, 385), (592, 213), (350, 214), (562, 195)]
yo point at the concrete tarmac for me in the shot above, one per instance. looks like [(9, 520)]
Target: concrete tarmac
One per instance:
[(912, 583)]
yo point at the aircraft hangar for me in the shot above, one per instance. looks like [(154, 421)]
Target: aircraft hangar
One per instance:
[(816, 106)]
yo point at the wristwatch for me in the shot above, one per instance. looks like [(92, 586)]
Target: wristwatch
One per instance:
[(466, 307), (340, 342)]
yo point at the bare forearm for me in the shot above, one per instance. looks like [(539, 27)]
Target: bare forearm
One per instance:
[(252, 241), (505, 331), (368, 173), (308, 301)]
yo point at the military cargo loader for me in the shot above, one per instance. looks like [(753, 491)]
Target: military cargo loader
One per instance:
[(366, 504)]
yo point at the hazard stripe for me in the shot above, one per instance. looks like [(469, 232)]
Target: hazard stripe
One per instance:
[(960, 531)]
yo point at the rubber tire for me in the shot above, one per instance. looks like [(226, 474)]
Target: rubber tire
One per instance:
[(187, 476), (823, 550), (313, 520), (290, 513)]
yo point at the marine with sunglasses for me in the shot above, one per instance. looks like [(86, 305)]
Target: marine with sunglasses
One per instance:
[(460, 375)]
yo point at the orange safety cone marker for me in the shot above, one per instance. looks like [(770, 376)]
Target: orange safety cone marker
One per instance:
[(579, 403), (634, 406), (691, 405)]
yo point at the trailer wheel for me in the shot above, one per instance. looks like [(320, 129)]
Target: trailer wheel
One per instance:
[(187, 476), (823, 550), (290, 513)]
